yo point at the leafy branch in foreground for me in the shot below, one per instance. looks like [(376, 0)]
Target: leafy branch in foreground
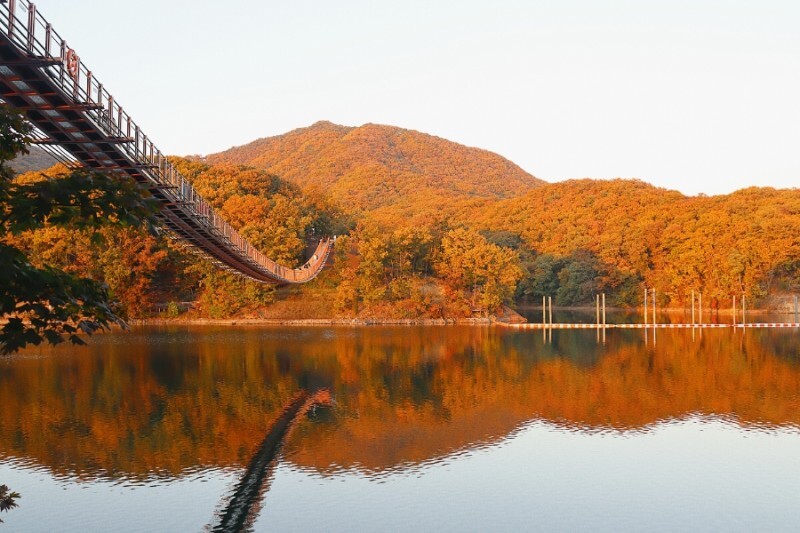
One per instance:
[(7, 499), (42, 303)]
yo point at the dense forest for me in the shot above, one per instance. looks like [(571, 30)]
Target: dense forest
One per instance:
[(430, 228), (373, 166)]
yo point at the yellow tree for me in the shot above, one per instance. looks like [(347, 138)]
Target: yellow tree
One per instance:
[(486, 272)]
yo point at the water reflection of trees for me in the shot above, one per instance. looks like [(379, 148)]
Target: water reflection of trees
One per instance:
[(165, 404)]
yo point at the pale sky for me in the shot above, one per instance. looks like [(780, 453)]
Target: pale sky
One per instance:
[(699, 96)]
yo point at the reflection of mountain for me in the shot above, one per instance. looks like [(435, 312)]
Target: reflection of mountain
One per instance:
[(165, 403)]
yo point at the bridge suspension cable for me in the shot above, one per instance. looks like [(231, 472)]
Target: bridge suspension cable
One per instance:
[(80, 123)]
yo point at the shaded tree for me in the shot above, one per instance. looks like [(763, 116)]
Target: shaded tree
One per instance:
[(45, 303), (8, 499)]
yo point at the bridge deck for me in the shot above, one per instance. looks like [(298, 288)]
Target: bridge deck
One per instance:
[(79, 121)]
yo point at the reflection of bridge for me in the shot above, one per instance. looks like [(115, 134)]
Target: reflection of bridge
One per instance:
[(78, 121), (242, 507)]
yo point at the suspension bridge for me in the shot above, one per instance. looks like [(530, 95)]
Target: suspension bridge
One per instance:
[(80, 123)]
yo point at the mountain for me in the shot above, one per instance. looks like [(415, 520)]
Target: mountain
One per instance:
[(35, 160), (373, 166), (431, 228)]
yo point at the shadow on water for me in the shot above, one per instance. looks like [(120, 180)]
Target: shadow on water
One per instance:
[(244, 504)]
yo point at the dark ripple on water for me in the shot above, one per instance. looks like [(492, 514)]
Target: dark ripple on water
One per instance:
[(70, 473)]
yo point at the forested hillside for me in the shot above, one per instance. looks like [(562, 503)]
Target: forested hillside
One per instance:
[(581, 236), (374, 166), (35, 159), (429, 228)]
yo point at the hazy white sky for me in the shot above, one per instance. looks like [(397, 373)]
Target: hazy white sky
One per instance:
[(699, 96)]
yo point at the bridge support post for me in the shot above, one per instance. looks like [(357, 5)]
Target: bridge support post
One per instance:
[(31, 26), (12, 7)]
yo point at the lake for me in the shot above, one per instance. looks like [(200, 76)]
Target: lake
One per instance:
[(429, 428)]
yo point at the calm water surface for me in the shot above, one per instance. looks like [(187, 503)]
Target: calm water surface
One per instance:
[(404, 429)]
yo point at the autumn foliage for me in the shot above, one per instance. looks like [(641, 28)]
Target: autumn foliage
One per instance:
[(371, 166), (430, 228), (621, 235)]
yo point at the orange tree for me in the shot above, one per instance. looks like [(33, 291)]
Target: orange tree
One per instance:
[(45, 303), (487, 272)]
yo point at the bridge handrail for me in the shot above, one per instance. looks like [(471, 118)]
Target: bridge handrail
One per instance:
[(28, 30)]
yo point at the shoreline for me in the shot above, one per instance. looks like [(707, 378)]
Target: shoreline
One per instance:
[(505, 315), (311, 322), (195, 321), (360, 322)]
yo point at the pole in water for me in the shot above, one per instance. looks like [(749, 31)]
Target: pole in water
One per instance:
[(734, 310), (654, 311), (544, 310), (645, 306), (795, 309), (604, 318), (700, 307), (550, 302), (744, 309), (597, 309), (604, 311), (692, 307)]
